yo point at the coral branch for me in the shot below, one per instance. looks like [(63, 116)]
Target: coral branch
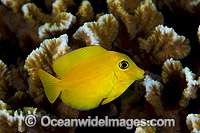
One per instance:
[(43, 58), (118, 9), (61, 22), (5, 80), (153, 93), (15, 5), (145, 130), (85, 12), (5, 76), (191, 6), (145, 17), (192, 86), (173, 69), (193, 122), (49, 25), (103, 32), (10, 118), (165, 43), (198, 33), (33, 14), (169, 67), (60, 6)]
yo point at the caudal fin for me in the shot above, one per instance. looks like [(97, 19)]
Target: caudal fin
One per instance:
[(51, 85)]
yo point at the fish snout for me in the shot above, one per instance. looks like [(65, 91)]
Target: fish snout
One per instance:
[(140, 73)]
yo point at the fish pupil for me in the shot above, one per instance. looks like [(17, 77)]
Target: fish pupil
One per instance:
[(123, 64)]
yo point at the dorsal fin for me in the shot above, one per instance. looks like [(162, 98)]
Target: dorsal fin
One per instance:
[(65, 63)]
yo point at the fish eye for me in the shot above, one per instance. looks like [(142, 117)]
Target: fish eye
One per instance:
[(124, 64)]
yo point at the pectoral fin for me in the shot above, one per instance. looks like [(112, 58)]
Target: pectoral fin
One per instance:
[(107, 100)]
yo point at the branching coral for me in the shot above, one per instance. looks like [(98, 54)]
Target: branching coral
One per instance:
[(149, 40), (5, 80), (93, 33), (34, 18), (192, 86), (172, 71), (145, 130), (193, 122), (164, 43), (198, 33), (9, 118), (19, 76), (60, 6), (177, 86), (170, 68), (43, 58), (15, 5), (85, 12), (12, 21), (49, 25), (34, 15), (145, 17), (10, 92), (153, 93), (191, 6), (63, 21), (166, 96)]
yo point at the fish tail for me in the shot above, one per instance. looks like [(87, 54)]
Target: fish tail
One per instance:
[(51, 85)]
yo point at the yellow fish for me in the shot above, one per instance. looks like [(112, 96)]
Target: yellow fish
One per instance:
[(89, 77)]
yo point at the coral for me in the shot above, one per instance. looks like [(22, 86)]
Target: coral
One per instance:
[(66, 112), (169, 68), (9, 94), (62, 21), (193, 122), (153, 93), (190, 6), (145, 130), (49, 51), (93, 33), (164, 43), (172, 70), (15, 5), (148, 39), (43, 58), (31, 12), (49, 25), (60, 6), (85, 12), (198, 33), (13, 22), (173, 75), (145, 17), (19, 76), (10, 118), (166, 96), (5, 80), (192, 86)]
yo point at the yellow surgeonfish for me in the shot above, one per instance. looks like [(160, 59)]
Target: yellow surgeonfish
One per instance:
[(90, 76)]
